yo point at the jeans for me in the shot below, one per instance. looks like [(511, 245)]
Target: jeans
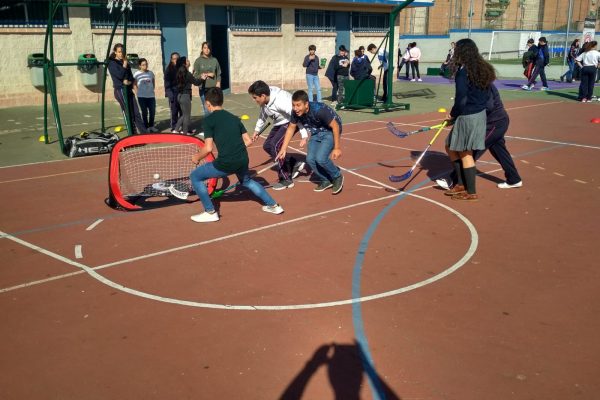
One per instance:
[(208, 170), (147, 106), (569, 74), (320, 146), (313, 82), (202, 92)]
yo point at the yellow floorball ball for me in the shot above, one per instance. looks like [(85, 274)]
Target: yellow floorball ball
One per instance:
[(442, 110), (245, 117)]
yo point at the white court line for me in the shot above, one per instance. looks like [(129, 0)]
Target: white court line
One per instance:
[(578, 181), (95, 224), (78, 252), (524, 161), (557, 174), (53, 175), (554, 142), (378, 144), (369, 186), (542, 168)]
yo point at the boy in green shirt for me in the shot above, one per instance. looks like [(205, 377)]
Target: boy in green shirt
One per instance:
[(226, 131)]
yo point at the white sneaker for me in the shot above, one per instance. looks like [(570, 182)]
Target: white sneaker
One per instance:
[(298, 167), (205, 217), (525, 87), (413, 80), (506, 185), (276, 209), (419, 80), (443, 183)]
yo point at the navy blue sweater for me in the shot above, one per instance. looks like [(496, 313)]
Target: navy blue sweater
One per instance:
[(469, 99), (495, 109), (118, 73), (312, 66)]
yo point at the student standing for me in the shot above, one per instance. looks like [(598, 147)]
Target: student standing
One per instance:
[(473, 81), (383, 57), (208, 70), (589, 61), (276, 103), (185, 80), (573, 53), (170, 78), (402, 60), (311, 63), (496, 127), (122, 78), (415, 56), (144, 82), (540, 58), (226, 131), (342, 69), (325, 128)]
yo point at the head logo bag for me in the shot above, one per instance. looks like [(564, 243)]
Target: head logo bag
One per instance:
[(90, 143)]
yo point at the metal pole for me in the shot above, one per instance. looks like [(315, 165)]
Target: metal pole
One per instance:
[(569, 15), (470, 17)]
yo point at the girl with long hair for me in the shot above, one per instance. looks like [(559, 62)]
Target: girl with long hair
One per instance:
[(473, 79), (184, 79), (573, 53), (208, 70), (589, 61), (120, 72), (171, 89)]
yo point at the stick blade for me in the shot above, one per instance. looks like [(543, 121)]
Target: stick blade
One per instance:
[(178, 193), (400, 178), (395, 131)]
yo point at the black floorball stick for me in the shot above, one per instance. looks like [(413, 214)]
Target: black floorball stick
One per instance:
[(400, 178), (402, 134)]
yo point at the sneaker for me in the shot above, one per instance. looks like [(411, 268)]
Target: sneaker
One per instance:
[(545, 88), (152, 129), (338, 184), (275, 209), (323, 186), (506, 185), (562, 78), (457, 189), (584, 100), (413, 80), (419, 80), (298, 167), (205, 217), (283, 184), (444, 183), (526, 87), (174, 131), (465, 196)]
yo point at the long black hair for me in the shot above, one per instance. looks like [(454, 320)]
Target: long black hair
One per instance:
[(182, 72), (479, 72), (172, 68), (113, 54)]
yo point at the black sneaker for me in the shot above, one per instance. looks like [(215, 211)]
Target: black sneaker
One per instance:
[(283, 184), (298, 167), (323, 186), (338, 184)]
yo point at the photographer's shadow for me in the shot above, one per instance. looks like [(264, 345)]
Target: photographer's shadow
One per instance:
[(346, 372)]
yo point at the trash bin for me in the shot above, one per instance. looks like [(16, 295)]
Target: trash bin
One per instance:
[(35, 63), (86, 64), (134, 61)]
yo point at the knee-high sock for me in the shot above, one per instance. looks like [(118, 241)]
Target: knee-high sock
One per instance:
[(458, 170), (470, 175)]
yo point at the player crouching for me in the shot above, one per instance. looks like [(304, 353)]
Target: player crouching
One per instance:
[(325, 128), (226, 131)]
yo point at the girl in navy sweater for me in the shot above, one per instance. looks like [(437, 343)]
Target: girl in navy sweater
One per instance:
[(473, 78)]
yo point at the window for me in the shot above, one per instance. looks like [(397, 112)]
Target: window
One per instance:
[(253, 19), (370, 22), (143, 16), (30, 14), (315, 21)]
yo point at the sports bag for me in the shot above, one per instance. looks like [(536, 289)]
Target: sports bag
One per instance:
[(90, 143)]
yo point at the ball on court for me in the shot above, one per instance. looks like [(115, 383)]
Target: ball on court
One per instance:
[(441, 110), (156, 176), (245, 117)]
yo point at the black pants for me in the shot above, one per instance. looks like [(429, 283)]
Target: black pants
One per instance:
[(538, 69), (400, 68), (334, 88), (148, 108), (385, 88), (175, 109), (586, 86), (495, 143), (414, 66), (272, 145), (133, 112)]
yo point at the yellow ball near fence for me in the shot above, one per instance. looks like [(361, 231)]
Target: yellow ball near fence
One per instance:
[(442, 110)]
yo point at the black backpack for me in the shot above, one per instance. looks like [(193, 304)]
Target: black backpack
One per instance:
[(90, 143)]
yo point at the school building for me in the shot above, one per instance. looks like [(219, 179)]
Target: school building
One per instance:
[(251, 39)]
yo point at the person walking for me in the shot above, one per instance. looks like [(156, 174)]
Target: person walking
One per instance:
[(540, 57), (170, 79), (312, 65), (144, 85), (573, 53), (208, 70), (589, 61)]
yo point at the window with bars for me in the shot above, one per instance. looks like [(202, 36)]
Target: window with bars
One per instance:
[(30, 14), (315, 21), (142, 16), (253, 19), (370, 22)]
